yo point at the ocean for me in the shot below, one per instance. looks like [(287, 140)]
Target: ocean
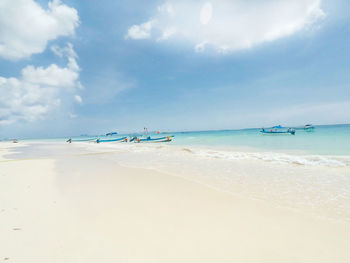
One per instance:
[(327, 145), (323, 140)]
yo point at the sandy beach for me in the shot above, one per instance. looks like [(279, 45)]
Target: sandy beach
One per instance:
[(174, 131), (76, 206)]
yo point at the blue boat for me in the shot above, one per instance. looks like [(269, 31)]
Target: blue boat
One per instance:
[(278, 127), (149, 139), (278, 130), (123, 139)]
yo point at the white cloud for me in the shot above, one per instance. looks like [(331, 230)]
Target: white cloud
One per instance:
[(206, 13), (78, 99), (39, 90), (140, 31), (67, 50), (51, 76), (228, 25), (26, 28)]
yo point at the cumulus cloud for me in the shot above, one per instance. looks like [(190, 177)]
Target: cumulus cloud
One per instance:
[(26, 28), (141, 31), (38, 90), (228, 25)]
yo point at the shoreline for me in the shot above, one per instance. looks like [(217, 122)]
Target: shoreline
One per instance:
[(233, 152), (90, 208)]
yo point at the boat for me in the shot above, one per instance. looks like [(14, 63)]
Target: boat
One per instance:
[(149, 139), (70, 140), (278, 127), (278, 130), (292, 132), (309, 127), (133, 139), (123, 139), (111, 133)]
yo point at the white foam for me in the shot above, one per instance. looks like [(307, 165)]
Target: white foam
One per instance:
[(213, 153), (307, 160)]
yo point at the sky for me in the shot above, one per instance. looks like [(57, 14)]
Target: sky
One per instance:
[(74, 67)]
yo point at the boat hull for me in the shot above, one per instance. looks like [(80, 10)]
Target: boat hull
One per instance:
[(155, 140), (81, 140), (112, 140), (277, 133)]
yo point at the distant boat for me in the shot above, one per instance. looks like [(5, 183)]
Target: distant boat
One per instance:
[(309, 127), (149, 139), (123, 139), (278, 130), (111, 133)]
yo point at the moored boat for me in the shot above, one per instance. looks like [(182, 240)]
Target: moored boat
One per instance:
[(309, 127), (70, 140), (278, 130), (123, 139), (149, 139)]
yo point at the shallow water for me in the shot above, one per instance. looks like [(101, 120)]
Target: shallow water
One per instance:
[(325, 140)]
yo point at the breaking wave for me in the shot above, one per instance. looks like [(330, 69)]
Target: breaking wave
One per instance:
[(308, 160)]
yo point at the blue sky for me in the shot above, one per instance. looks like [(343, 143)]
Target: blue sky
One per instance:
[(71, 67)]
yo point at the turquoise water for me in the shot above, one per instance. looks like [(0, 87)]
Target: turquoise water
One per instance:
[(325, 140)]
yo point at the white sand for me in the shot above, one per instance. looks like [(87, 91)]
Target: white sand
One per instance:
[(90, 209)]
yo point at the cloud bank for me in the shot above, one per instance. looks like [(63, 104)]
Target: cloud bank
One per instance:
[(227, 25), (39, 90), (26, 28)]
